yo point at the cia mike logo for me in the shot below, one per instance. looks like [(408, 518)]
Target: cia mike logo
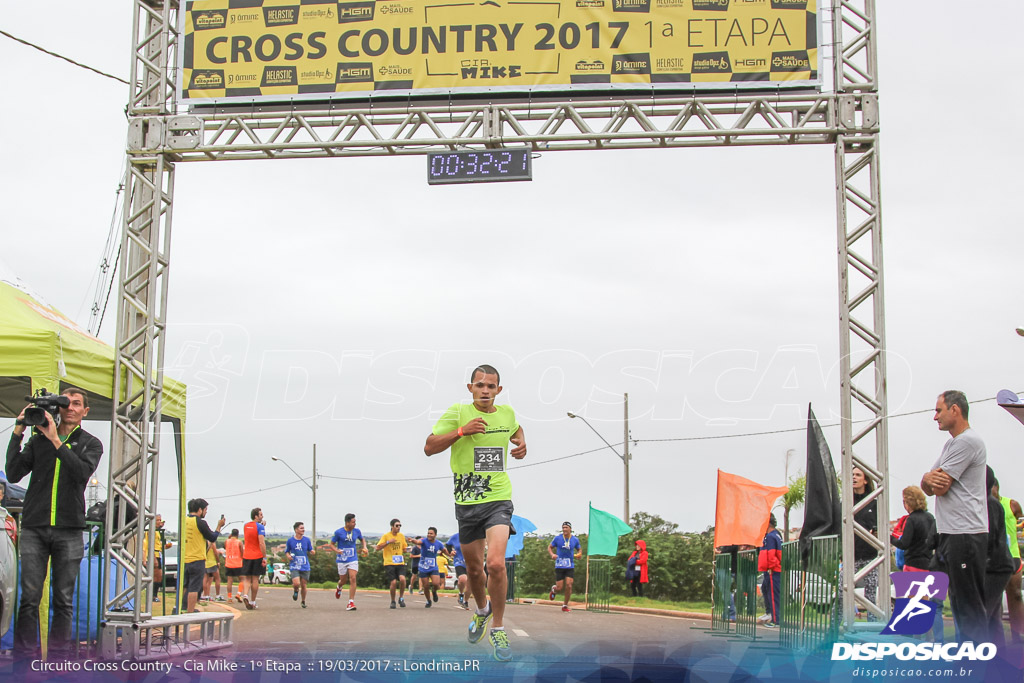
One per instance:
[(918, 595)]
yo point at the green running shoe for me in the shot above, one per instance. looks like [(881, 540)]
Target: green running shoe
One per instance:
[(478, 626), (499, 639)]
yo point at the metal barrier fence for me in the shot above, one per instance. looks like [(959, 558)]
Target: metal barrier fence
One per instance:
[(510, 573), (721, 593), (89, 598), (746, 594), (599, 584), (810, 594)]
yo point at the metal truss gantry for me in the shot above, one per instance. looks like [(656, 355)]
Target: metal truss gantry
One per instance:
[(160, 136)]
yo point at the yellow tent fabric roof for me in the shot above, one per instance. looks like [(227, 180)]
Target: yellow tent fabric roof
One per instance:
[(35, 338)]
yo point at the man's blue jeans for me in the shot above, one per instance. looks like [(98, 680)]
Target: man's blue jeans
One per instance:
[(64, 549)]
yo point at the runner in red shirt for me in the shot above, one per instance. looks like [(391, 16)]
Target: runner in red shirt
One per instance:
[(254, 557)]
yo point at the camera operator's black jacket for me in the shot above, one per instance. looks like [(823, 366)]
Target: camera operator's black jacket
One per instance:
[(49, 503)]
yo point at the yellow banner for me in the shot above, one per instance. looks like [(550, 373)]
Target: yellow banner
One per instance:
[(314, 49)]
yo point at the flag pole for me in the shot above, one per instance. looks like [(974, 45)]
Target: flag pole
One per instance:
[(586, 586)]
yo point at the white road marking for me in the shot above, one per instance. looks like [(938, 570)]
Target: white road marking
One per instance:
[(520, 632)]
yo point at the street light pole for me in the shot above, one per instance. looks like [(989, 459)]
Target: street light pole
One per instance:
[(312, 486), (624, 458)]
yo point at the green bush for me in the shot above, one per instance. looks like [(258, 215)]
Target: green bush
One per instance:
[(679, 564)]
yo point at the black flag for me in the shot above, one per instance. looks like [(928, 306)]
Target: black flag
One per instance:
[(823, 512)]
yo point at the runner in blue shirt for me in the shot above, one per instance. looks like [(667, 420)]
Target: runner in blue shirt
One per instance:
[(459, 562), (297, 551), (429, 548), (568, 547), (344, 543)]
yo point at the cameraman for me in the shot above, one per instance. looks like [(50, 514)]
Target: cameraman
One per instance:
[(61, 459)]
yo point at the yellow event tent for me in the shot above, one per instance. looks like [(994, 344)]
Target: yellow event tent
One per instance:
[(41, 348)]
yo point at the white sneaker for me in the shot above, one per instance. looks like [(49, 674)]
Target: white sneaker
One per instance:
[(764, 617)]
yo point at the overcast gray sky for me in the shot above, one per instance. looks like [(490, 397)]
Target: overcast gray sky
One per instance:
[(701, 281)]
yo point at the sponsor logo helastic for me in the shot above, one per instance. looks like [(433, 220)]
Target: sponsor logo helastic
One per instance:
[(211, 18), (670, 3), (349, 12), (206, 79), (637, 63), (711, 63), (631, 6), (354, 72), (279, 75), (675, 64), (797, 60), (280, 16)]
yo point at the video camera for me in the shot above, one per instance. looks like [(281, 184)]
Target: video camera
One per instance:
[(44, 403)]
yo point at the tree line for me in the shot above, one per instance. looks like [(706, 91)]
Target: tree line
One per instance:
[(679, 565)]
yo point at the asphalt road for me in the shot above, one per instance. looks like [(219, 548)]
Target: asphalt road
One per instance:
[(326, 639)]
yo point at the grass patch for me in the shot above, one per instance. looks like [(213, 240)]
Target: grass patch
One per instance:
[(635, 602)]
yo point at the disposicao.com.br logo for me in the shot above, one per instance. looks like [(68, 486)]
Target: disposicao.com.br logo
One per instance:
[(917, 603)]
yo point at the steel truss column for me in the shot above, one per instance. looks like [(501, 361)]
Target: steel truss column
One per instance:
[(141, 323), (864, 404)]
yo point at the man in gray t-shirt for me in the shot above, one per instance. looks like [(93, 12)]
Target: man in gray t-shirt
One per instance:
[(957, 480)]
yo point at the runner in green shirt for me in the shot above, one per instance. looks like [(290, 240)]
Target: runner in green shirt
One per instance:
[(479, 435)]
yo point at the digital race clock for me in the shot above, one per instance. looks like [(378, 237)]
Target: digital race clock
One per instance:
[(479, 166)]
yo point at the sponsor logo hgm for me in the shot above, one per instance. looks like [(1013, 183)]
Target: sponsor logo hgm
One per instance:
[(355, 11), (354, 72)]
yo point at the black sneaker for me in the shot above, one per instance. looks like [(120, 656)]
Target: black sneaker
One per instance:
[(393, 605), (401, 602)]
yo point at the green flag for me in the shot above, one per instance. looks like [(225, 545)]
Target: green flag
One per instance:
[(605, 529)]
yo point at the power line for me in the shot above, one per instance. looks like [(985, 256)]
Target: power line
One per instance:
[(59, 56), (595, 450), (794, 429)]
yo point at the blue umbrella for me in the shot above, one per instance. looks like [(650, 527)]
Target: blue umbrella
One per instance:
[(515, 543)]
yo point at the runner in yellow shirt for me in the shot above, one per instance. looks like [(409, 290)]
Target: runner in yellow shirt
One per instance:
[(395, 548)]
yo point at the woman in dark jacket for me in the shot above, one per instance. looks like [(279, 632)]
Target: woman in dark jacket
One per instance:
[(636, 569), (918, 539), (864, 552)]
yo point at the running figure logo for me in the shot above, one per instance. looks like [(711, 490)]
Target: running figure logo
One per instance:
[(918, 595)]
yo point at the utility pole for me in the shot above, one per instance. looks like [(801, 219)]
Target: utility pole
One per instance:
[(314, 495), (625, 457)]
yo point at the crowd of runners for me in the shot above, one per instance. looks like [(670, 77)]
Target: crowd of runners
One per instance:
[(480, 436)]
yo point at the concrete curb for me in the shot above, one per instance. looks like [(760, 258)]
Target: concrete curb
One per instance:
[(627, 609)]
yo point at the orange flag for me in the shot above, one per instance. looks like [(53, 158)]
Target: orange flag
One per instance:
[(742, 509)]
